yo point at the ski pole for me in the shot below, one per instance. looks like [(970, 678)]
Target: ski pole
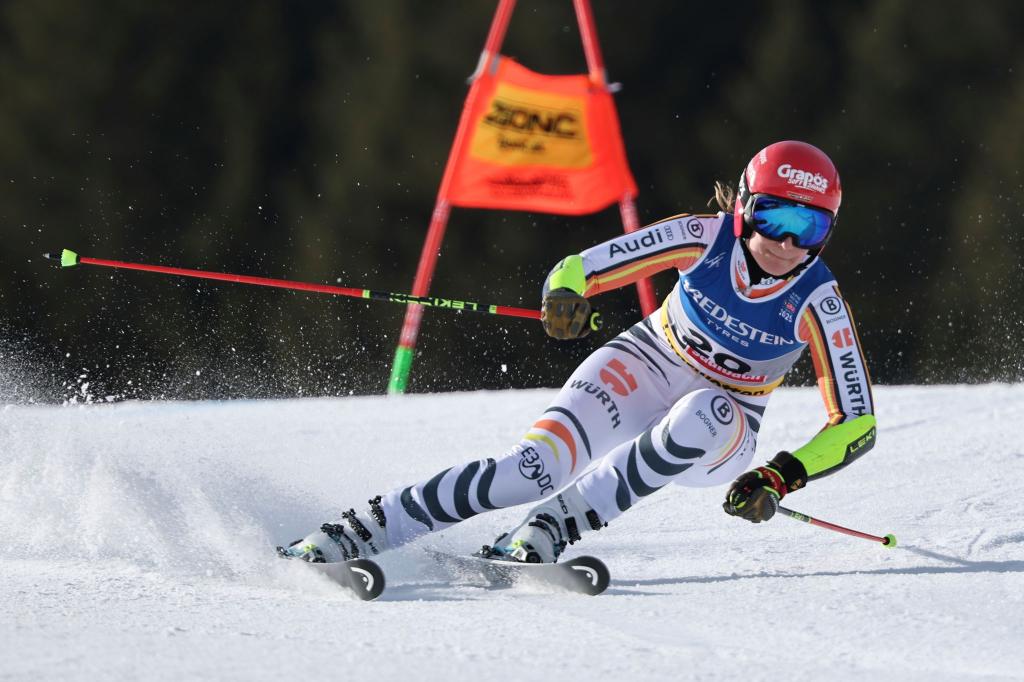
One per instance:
[(888, 541), (70, 259)]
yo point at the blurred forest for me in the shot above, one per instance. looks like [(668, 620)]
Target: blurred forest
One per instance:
[(306, 140)]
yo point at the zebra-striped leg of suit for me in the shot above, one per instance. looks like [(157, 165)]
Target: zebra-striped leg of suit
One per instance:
[(617, 392), (608, 405), (706, 439)]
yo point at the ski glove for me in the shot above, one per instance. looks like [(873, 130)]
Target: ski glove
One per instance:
[(565, 314), (755, 495)]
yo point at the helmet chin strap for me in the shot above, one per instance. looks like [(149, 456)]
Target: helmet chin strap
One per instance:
[(739, 223)]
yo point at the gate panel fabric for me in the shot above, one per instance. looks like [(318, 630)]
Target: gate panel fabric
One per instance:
[(540, 143)]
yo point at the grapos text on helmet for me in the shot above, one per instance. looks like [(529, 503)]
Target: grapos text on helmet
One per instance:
[(802, 178)]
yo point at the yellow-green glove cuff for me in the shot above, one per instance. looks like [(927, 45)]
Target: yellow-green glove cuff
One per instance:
[(837, 446), (568, 275)]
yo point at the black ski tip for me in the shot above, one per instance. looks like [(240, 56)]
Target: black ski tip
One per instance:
[(362, 577), (590, 574), (366, 578)]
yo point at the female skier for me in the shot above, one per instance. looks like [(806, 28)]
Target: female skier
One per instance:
[(677, 398)]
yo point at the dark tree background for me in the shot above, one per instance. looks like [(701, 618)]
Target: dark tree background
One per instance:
[(306, 140)]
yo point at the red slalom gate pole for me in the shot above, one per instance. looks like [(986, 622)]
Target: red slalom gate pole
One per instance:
[(888, 541), (401, 366), (599, 77), (70, 259)]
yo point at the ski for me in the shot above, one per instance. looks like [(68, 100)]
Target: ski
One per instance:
[(583, 574), (362, 577)]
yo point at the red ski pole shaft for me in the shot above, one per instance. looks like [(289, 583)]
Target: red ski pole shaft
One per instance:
[(70, 259), (885, 540)]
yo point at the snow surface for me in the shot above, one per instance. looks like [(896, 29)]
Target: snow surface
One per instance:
[(136, 543)]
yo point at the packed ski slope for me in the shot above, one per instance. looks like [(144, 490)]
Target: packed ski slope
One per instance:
[(136, 543)]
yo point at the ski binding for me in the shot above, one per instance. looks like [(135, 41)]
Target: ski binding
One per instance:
[(582, 574)]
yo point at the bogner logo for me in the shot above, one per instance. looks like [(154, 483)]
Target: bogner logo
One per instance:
[(803, 179), (648, 240), (722, 409), (831, 305), (509, 115)]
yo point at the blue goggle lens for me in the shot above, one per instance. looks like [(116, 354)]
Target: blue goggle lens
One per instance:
[(777, 218)]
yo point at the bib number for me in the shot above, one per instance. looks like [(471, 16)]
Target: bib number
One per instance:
[(700, 345)]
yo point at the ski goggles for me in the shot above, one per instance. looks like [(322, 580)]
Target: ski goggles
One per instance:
[(777, 218)]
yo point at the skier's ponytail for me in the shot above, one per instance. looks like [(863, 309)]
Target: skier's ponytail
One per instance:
[(725, 196)]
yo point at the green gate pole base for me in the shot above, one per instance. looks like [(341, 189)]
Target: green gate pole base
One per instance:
[(400, 371)]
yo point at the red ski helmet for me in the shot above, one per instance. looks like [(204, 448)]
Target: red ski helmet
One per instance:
[(791, 170)]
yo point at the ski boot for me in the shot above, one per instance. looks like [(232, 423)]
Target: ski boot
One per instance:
[(547, 530), (354, 536)]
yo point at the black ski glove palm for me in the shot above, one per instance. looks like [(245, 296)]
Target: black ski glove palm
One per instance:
[(565, 314)]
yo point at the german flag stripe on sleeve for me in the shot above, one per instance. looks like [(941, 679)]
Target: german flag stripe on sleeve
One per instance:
[(813, 332), (643, 266)]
